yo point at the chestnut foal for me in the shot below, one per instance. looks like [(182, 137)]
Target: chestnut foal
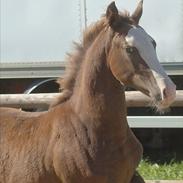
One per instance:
[(85, 137)]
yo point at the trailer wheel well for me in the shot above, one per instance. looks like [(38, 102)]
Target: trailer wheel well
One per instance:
[(43, 86)]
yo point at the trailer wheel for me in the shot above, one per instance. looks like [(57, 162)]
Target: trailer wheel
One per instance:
[(42, 86)]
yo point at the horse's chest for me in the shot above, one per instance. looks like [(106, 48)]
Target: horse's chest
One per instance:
[(83, 154)]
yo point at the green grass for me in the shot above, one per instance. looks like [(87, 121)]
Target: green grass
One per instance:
[(166, 171)]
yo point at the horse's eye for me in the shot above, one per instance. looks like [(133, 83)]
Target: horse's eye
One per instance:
[(130, 50)]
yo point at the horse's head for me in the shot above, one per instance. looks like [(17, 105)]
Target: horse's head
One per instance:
[(133, 60)]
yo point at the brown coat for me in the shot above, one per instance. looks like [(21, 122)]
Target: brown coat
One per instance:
[(84, 137)]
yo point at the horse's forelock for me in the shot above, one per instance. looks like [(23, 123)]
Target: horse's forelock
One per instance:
[(94, 29)]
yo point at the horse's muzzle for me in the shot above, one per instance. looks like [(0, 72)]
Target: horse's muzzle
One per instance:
[(168, 94)]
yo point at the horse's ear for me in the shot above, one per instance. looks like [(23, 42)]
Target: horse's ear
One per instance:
[(112, 15), (138, 12)]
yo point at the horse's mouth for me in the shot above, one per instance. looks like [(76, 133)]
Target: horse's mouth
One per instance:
[(159, 105), (156, 102)]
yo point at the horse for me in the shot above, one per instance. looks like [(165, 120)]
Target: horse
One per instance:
[(84, 137)]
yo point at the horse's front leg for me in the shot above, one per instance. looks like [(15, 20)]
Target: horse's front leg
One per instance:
[(137, 178)]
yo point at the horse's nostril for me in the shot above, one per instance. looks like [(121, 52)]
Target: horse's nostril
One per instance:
[(158, 97), (164, 93), (169, 93)]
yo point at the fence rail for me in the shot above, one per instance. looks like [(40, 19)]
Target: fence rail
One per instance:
[(43, 100)]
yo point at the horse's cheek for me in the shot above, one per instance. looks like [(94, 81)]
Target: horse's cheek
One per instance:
[(120, 73)]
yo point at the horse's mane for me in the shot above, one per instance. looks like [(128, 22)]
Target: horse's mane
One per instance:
[(75, 59)]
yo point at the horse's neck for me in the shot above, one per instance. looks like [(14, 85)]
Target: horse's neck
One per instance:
[(98, 96)]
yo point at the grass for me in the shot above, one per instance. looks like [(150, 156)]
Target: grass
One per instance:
[(165, 163), (166, 171)]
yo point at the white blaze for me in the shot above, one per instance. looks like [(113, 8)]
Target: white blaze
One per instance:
[(137, 37)]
